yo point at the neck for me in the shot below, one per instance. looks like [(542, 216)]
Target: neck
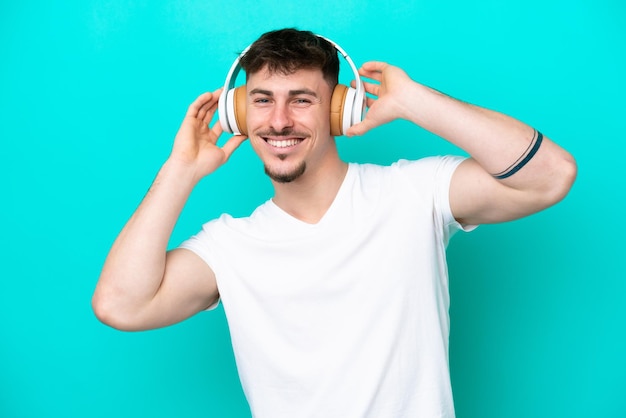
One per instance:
[(308, 197)]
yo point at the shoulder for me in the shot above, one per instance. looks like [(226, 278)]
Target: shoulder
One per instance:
[(423, 172), (428, 166), (227, 221)]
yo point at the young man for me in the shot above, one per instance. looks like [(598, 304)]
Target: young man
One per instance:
[(336, 289)]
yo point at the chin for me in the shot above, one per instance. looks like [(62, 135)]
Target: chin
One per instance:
[(286, 177)]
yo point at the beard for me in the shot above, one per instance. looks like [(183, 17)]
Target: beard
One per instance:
[(292, 175), (286, 177)]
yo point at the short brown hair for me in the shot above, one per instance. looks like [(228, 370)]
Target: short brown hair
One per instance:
[(286, 51)]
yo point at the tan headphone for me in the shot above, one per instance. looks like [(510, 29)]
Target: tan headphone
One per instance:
[(347, 105)]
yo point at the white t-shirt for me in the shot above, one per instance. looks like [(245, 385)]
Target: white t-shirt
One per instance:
[(348, 317)]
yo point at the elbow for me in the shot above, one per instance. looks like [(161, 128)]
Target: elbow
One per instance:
[(562, 179), (108, 311), (104, 311)]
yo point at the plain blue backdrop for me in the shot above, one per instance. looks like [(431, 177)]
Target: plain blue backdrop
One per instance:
[(91, 96)]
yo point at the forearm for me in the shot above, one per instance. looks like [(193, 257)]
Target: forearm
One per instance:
[(493, 139), (134, 268), (499, 143)]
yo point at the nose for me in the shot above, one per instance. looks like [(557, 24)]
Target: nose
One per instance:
[(280, 117)]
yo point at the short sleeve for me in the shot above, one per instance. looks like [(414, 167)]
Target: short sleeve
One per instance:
[(433, 175)]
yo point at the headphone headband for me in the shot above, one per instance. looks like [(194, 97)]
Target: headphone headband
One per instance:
[(351, 111)]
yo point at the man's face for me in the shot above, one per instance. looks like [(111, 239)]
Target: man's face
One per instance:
[(288, 119)]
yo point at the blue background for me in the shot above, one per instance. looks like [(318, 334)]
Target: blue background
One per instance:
[(92, 94)]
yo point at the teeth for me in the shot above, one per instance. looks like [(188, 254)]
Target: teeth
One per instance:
[(283, 143)]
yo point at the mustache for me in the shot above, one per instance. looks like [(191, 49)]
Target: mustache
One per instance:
[(284, 132)]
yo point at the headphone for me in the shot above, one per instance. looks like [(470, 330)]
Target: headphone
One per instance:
[(347, 104)]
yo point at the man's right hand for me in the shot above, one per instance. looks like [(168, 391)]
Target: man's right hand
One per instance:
[(195, 145)]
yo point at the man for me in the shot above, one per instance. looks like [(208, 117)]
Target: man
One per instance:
[(335, 290)]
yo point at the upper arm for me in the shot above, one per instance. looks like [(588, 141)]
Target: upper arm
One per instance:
[(476, 197), (188, 287)]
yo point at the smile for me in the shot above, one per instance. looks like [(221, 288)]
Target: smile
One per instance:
[(283, 143)]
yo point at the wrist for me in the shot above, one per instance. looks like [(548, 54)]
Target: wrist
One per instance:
[(182, 174), (428, 107), (416, 102)]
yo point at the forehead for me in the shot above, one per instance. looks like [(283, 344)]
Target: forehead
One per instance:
[(311, 79)]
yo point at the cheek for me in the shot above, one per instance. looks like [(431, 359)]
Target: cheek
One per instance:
[(316, 119), (323, 122), (254, 117)]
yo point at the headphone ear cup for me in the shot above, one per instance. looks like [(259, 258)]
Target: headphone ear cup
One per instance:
[(337, 109), (224, 111), (239, 111), (358, 106), (232, 111), (348, 110)]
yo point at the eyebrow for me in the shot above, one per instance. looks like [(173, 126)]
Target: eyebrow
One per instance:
[(297, 92)]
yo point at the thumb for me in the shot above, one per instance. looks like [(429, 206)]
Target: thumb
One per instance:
[(360, 128), (232, 144)]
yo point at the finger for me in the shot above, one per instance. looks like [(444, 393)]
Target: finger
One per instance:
[(207, 112), (360, 128), (372, 88), (369, 87), (372, 69), (208, 107), (195, 107), (232, 144), (216, 131), (374, 66)]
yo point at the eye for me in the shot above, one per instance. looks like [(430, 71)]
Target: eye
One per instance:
[(301, 101)]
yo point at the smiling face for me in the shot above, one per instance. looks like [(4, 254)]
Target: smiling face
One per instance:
[(288, 118)]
